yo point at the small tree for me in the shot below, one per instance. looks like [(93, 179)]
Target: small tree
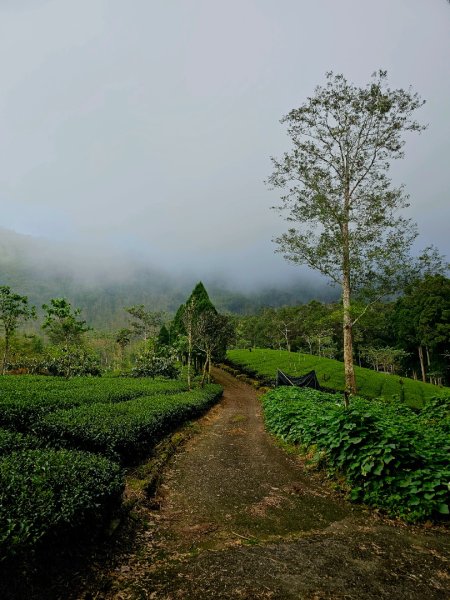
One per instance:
[(62, 324), (13, 309), (65, 330), (339, 194), (123, 339), (212, 334)]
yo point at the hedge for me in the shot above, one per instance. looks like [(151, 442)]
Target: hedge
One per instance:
[(46, 492)]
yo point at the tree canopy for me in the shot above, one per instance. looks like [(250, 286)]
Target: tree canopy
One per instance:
[(13, 309)]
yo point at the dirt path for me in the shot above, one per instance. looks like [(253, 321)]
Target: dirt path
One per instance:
[(240, 518)]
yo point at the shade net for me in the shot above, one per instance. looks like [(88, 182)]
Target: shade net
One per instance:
[(308, 380)]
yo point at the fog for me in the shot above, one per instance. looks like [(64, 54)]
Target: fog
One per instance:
[(140, 133)]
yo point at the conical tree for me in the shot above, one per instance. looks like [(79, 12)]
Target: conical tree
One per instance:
[(185, 322), (200, 302)]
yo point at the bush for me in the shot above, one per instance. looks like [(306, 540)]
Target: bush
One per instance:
[(125, 430), (163, 364), (12, 440), (44, 492), (392, 458), (74, 361), (27, 398)]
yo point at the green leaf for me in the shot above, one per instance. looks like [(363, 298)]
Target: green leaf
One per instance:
[(443, 509)]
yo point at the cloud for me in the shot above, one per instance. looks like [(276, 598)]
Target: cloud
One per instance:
[(146, 128)]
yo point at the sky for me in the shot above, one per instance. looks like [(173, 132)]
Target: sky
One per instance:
[(145, 128)]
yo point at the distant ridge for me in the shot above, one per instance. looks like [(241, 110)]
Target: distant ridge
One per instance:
[(103, 286)]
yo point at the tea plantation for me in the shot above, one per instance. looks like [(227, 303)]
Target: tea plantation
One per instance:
[(263, 365), (63, 445)]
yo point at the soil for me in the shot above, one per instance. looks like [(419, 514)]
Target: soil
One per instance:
[(237, 516)]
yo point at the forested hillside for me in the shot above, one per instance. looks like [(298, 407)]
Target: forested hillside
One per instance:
[(40, 271)]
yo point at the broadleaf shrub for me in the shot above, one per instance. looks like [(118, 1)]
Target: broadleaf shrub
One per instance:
[(392, 457)]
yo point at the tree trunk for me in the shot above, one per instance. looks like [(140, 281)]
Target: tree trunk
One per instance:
[(5, 354), (422, 364), (428, 360), (202, 383), (189, 360), (350, 380)]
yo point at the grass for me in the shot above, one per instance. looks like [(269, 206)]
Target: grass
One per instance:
[(263, 364)]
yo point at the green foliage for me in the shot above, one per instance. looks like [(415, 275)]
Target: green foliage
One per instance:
[(145, 323), (126, 429), (164, 337), (161, 363), (123, 337), (263, 364), (200, 302), (45, 492), (422, 318), (391, 455), (212, 333), (70, 361), (13, 440), (62, 323), (24, 399), (13, 309)]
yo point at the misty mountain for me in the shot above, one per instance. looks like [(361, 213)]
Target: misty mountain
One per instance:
[(101, 284)]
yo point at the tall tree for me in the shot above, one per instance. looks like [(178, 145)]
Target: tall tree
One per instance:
[(186, 318), (13, 309), (421, 321), (201, 301), (339, 193), (145, 322)]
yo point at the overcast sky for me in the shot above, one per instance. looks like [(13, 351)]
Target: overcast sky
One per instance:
[(147, 125)]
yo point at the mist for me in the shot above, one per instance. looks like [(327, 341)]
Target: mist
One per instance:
[(137, 136)]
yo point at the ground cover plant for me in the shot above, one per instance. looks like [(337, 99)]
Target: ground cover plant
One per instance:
[(24, 399), (392, 457), (263, 364)]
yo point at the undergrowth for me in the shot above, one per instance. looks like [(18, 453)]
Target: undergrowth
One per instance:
[(392, 457)]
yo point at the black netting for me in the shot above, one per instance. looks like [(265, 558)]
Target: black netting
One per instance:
[(308, 380)]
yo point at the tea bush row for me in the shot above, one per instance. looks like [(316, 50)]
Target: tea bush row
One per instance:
[(13, 440), (392, 457), (125, 430), (43, 493), (48, 487), (26, 399)]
